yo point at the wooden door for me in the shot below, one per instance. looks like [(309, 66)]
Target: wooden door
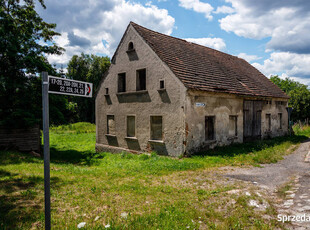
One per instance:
[(209, 128), (252, 111)]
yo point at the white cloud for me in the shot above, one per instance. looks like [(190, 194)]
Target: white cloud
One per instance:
[(216, 43), (96, 26), (224, 10), (248, 57), (286, 22), (286, 64), (198, 6)]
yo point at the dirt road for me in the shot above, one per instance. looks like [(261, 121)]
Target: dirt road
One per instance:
[(294, 171)]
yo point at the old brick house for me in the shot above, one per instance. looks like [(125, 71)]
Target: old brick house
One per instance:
[(171, 96)]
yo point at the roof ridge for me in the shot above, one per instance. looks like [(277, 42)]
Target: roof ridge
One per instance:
[(203, 68), (135, 24), (193, 43)]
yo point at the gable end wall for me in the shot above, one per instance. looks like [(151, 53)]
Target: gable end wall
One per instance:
[(169, 103)]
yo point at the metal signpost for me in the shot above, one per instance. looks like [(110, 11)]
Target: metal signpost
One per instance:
[(57, 85)]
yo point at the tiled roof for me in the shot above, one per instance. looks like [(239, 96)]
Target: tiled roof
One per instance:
[(203, 68)]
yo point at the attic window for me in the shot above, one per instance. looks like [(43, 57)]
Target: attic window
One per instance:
[(130, 46), (161, 84)]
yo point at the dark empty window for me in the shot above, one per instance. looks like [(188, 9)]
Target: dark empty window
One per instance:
[(106, 91), (110, 125), (131, 126), (209, 127), (280, 103), (141, 79), (130, 46), (233, 126), (280, 120), (268, 120), (161, 84), (156, 127), (122, 82)]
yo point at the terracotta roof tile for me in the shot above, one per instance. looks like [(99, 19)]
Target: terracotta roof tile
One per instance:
[(203, 68)]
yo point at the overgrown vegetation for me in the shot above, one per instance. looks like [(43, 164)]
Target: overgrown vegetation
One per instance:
[(76, 128), (299, 97), (25, 42), (89, 68), (128, 191)]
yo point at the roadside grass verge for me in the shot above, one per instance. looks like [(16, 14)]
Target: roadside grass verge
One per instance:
[(127, 191), (251, 153)]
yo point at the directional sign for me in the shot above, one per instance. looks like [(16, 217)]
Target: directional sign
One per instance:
[(69, 87), (51, 84)]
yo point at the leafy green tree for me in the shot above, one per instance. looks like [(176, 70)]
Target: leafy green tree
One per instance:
[(299, 97), (22, 54), (88, 68)]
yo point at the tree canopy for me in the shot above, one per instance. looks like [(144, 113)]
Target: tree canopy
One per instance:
[(25, 41), (299, 96), (90, 68)]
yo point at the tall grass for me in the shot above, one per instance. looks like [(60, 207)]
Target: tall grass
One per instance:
[(80, 127), (301, 130)]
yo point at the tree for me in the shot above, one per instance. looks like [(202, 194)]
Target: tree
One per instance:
[(299, 96), (25, 39), (88, 68)]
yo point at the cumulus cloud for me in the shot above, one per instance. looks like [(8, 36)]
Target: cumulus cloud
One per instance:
[(286, 22), (216, 43), (290, 64), (96, 26), (198, 6), (224, 10), (77, 40), (248, 57)]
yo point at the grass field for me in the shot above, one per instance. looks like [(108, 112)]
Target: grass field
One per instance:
[(126, 191)]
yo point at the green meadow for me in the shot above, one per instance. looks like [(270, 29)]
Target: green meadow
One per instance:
[(127, 191)]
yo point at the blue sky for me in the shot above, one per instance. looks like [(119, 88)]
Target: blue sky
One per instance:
[(272, 35)]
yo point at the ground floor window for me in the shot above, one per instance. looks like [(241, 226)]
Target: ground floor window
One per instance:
[(233, 130), (280, 120), (209, 127), (131, 126), (268, 120), (156, 127), (110, 124)]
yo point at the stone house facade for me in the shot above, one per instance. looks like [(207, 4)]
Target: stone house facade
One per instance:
[(174, 97)]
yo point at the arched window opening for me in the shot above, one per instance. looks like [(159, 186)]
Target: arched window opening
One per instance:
[(130, 46)]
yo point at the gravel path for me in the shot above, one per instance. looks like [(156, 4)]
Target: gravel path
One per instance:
[(295, 168)]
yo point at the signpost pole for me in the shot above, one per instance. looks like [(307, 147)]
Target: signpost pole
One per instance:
[(51, 84), (47, 194)]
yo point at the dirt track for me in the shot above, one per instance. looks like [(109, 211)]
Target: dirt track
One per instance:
[(292, 169)]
